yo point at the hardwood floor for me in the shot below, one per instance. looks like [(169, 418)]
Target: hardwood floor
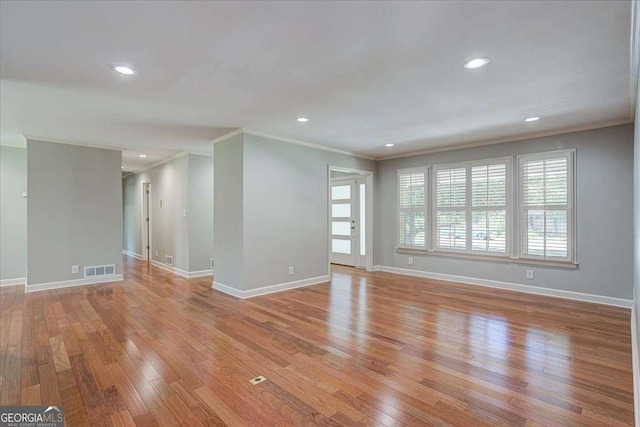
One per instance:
[(367, 349)]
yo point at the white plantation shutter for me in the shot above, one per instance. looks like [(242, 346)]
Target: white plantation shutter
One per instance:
[(546, 207), (412, 208), (451, 207), (489, 202), (471, 207), (472, 203)]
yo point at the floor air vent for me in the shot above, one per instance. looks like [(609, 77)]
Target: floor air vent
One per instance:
[(100, 270)]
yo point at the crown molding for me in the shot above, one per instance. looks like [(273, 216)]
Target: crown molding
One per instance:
[(305, 143), (71, 142), (11, 144), (161, 162), (198, 153), (288, 140), (482, 143), (102, 147), (227, 136)]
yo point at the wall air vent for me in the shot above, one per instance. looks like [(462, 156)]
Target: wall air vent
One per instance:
[(100, 270), (168, 259)]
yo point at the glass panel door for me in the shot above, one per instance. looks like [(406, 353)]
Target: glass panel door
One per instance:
[(343, 222)]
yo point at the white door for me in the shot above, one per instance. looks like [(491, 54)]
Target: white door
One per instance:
[(347, 213)]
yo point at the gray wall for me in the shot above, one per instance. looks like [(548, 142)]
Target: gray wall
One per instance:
[(200, 212), (169, 198), (74, 210), (604, 162), (182, 184), (227, 212), (132, 210), (286, 208), (13, 213)]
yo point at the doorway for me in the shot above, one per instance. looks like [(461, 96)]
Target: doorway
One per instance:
[(350, 217), (146, 221)]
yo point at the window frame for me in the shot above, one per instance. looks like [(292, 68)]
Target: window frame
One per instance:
[(424, 170), (469, 208), (570, 155), (514, 212)]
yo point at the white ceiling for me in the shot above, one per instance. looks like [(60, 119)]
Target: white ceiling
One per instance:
[(365, 73)]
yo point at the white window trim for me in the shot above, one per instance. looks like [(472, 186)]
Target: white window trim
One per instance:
[(420, 169), (468, 208), (571, 206), (514, 241)]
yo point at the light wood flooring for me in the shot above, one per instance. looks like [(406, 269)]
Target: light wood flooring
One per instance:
[(365, 349)]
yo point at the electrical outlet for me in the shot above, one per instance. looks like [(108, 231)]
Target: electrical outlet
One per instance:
[(530, 274), (410, 260), (75, 269), (211, 263), (290, 270), (184, 213), (156, 254)]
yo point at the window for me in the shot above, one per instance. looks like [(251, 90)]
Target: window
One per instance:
[(451, 208), (489, 214), (546, 205), (472, 207), (412, 208)]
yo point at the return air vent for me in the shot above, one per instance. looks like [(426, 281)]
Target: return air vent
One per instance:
[(100, 270), (168, 259)]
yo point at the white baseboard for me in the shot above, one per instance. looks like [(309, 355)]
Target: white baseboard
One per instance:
[(181, 273), (229, 290), (71, 283), (268, 289), (200, 273), (133, 255), (172, 269), (13, 282), (537, 290), (635, 354)]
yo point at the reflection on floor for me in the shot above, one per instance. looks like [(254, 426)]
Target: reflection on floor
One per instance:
[(366, 348)]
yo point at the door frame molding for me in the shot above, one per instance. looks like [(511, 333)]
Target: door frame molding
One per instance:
[(369, 194), (145, 231)]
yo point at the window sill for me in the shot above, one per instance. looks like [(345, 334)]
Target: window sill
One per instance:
[(488, 258)]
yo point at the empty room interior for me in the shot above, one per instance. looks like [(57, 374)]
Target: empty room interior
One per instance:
[(279, 213)]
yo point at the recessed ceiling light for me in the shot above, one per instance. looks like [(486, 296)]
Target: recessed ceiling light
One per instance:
[(474, 63), (302, 119), (532, 119), (122, 167), (388, 145), (142, 155), (124, 70)]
